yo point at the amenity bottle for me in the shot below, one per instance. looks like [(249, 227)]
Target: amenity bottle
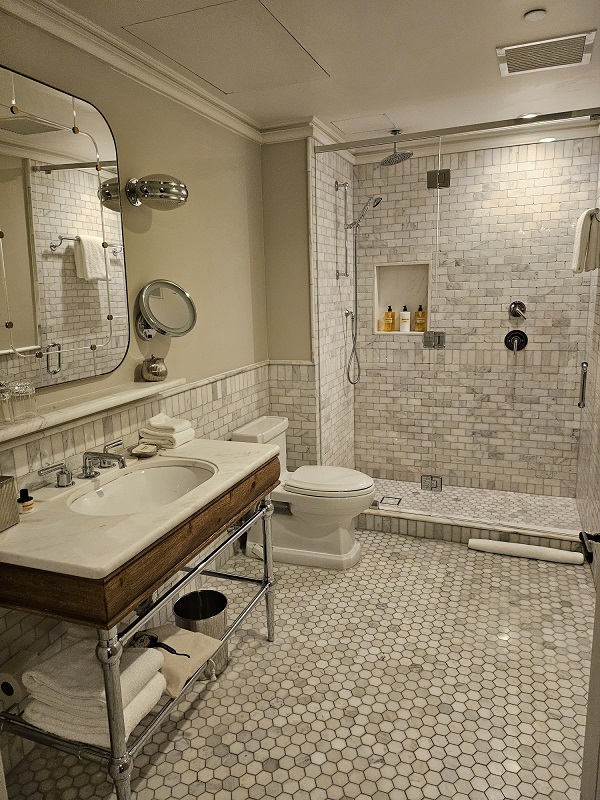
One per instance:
[(420, 320), (389, 320), (405, 320)]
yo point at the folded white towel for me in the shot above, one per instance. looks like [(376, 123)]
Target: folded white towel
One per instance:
[(169, 440), (586, 248), (163, 424), (94, 731), (178, 669), (90, 264), (74, 676)]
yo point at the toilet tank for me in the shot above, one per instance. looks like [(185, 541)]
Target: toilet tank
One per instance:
[(262, 430)]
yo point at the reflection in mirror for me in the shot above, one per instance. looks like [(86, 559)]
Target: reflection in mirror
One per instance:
[(64, 292), (167, 308)]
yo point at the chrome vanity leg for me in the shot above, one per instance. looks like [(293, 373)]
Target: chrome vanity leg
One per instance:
[(268, 568), (108, 653)]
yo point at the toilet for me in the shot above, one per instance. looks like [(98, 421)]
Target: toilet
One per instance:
[(315, 507)]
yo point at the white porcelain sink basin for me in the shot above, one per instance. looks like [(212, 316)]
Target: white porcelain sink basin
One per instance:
[(139, 490)]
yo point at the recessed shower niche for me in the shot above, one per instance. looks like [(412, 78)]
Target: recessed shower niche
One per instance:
[(399, 285)]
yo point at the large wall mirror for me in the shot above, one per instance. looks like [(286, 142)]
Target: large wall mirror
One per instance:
[(63, 298)]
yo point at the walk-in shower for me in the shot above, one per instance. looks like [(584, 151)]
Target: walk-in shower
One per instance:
[(473, 416)]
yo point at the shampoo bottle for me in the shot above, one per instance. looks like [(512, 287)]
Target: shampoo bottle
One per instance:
[(389, 320), (421, 320), (405, 320)]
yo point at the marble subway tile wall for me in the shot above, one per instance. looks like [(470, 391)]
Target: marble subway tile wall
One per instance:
[(474, 413), (215, 406), (292, 394), (333, 250), (73, 311)]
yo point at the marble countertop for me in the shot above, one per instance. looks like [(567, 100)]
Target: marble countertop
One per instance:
[(54, 538)]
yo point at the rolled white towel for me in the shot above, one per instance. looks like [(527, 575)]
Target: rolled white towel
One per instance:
[(94, 730), (585, 249), (164, 424), (74, 677), (148, 436)]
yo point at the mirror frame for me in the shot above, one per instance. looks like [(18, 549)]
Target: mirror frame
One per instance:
[(152, 320)]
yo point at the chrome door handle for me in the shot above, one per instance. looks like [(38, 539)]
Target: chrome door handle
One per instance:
[(584, 369)]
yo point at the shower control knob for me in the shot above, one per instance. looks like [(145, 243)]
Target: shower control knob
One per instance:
[(517, 309), (516, 340)]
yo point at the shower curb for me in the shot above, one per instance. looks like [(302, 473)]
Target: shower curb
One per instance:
[(449, 531)]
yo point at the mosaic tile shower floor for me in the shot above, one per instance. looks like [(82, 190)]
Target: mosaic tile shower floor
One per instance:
[(485, 505), (426, 671)]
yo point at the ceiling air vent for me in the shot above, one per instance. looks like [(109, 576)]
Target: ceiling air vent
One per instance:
[(566, 51)]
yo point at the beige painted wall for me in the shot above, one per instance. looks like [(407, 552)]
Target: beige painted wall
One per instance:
[(213, 245), (287, 266)]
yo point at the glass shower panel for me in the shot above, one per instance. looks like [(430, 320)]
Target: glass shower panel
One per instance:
[(515, 318)]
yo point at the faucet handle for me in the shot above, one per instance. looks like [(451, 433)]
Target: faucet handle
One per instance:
[(106, 463), (64, 476)]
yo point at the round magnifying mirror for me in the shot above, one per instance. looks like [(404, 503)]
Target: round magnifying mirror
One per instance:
[(167, 308)]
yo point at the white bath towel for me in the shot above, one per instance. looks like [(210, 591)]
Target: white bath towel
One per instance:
[(89, 258), (178, 669), (93, 729), (586, 249), (163, 424), (73, 677), (167, 440)]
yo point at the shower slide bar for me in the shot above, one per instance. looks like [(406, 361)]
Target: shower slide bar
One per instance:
[(592, 113), (584, 371)]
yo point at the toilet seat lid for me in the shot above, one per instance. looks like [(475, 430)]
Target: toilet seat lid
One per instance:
[(328, 482)]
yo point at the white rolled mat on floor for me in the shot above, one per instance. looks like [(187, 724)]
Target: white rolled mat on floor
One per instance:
[(526, 551)]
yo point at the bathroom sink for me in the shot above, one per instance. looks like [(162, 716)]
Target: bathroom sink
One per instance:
[(138, 490)]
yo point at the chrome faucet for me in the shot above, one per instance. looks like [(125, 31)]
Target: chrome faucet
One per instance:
[(91, 459), (109, 462)]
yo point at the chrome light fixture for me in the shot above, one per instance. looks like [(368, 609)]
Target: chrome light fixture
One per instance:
[(161, 192), (108, 194)]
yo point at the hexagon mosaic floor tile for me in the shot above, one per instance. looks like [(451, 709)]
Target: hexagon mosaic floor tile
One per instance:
[(426, 671)]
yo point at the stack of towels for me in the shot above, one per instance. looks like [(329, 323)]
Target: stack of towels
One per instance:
[(67, 692), (167, 432)]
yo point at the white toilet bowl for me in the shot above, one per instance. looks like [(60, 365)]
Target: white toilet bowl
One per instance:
[(315, 507)]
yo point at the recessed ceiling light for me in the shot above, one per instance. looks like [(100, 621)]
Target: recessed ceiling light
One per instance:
[(528, 116), (535, 14), (548, 139)]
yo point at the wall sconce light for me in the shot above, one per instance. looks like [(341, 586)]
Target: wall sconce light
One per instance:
[(161, 192), (109, 194)]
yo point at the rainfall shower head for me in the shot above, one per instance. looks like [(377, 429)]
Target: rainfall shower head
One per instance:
[(371, 202), (395, 157)]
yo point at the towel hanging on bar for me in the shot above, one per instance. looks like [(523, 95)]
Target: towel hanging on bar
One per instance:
[(586, 251), (90, 264)]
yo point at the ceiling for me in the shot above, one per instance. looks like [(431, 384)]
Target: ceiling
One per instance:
[(362, 66)]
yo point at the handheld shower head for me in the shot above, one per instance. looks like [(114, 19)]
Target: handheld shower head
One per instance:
[(371, 202)]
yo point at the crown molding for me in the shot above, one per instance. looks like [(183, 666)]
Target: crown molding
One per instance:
[(65, 24)]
